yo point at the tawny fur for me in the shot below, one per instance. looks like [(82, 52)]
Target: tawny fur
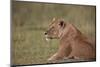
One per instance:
[(73, 44)]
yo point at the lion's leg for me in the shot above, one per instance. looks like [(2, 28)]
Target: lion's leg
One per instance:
[(62, 52), (56, 56)]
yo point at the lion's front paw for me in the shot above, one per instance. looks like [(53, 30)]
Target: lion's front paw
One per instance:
[(50, 60)]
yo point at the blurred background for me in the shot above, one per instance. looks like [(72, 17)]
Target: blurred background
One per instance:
[(31, 19)]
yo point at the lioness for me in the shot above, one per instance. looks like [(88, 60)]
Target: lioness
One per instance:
[(73, 44)]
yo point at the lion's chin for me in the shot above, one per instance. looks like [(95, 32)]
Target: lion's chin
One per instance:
[(47, 39)]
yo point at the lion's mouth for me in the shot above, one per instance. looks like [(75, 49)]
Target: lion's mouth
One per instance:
[(48, 38)]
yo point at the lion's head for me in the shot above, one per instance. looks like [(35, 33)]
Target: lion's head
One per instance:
[(55, 29)]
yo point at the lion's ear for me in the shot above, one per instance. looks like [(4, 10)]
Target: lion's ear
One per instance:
[(62, 23)]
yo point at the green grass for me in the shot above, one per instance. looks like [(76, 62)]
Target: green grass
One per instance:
[(30, 21), (30, 47)]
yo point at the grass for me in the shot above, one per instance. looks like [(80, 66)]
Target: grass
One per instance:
[(30, 21), (30, 47)]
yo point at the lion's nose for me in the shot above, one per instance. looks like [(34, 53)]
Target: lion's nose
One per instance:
[(45, 33)]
